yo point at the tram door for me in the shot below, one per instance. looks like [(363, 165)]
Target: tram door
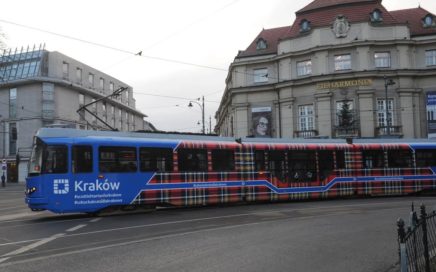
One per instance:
[(277, 164)]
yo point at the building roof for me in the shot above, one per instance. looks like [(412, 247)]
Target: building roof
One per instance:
[(322, 13), (413, 18)]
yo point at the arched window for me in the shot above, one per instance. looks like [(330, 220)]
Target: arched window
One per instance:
[(304, 26), (376, 16), (428, 21), (261, 44)]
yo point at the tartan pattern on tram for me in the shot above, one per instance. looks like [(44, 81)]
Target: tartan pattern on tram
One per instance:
[(245, 171)]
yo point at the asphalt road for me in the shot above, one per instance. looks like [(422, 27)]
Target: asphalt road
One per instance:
[(336, 235)]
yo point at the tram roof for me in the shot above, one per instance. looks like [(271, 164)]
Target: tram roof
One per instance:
[(76, 133)]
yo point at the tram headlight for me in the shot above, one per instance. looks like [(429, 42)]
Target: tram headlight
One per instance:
[(30, 190)]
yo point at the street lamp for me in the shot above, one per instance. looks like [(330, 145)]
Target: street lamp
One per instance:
[(388, 82), (202, 111)]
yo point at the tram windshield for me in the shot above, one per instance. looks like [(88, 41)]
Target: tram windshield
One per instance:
[(36, 158), (48, 159)]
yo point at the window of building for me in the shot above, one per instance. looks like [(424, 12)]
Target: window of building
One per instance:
[(305, 118), (261, 44), (111, 86), (223, 160), (48, 110), (13, 135), (382, 119), (65, 69), (430, 57), (91, 79), (428, 21), (342, 62), (376, 16), (192, 160), (13, 103), (117, 159), (382, 59), (261, 75), (304, 68), (155, 159), (101, 83), (304, 26), (81, 99), (82, 159), (345, 113), (55, 159), (79, 75)]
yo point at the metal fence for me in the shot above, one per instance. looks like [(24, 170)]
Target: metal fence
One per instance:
[(417, 243)]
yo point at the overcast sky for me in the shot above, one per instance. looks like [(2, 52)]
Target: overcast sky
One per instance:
[(187, 45)]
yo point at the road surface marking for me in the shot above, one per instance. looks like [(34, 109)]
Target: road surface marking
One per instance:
[(76, 228)]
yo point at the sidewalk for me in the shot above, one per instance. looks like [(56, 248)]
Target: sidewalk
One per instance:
[(13, 187)]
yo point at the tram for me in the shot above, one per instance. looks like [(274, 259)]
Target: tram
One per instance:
[(88, 171)]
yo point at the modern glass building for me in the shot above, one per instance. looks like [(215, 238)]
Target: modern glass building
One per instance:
[(39, 88)]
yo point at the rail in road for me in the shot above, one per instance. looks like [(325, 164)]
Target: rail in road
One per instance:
[(339, 235)]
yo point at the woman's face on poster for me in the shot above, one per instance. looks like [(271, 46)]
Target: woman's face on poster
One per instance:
[(262, 126)]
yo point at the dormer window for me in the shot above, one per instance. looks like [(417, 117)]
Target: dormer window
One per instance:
[(376, 16), (428, 21), (304, 26), (261, 44)]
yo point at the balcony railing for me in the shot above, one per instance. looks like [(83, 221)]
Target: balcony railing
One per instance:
[(393, 131), (305, 133), (341, 132)]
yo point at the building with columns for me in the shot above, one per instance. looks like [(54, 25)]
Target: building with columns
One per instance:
[(344, 68), (39, 88)]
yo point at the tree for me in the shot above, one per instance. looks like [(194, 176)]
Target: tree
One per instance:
[(346, 120)]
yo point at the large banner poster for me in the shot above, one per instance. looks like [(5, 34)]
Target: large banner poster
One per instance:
[(431, 114), (261, 121)]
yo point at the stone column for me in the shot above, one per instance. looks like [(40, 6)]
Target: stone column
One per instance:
[(366, 112), (323, 113)]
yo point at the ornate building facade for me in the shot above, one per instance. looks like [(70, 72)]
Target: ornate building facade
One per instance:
[(344, 68)]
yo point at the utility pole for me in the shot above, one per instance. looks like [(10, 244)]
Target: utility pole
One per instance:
[(201, 105)]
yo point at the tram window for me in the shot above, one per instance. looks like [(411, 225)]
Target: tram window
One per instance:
[(277, 163), (302, 165), (425, 158), (340, 159), (259, 160), (82, 159), (117, 159), (192, 160), (55, 160), (156, 159), (326, 163), (223, 160), (399, 158), (373, 159)]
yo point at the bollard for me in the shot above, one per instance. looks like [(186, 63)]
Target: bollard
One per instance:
[(403, 254)]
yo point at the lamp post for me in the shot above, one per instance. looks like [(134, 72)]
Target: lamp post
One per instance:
[(202, 111), (388, 82)]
